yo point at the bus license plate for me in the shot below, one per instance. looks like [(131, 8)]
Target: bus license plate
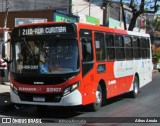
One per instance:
[(39, 99)]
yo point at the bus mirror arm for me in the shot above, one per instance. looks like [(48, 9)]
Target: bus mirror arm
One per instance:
[(8, 61), (7, 41)]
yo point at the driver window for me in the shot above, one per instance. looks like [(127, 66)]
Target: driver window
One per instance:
[(87, 49)]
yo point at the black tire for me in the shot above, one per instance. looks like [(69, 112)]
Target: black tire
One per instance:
[(17, 106), (135, 91), (41, 107), (98, 103)]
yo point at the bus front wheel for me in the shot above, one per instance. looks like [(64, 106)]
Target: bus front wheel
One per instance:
[(98, 103)]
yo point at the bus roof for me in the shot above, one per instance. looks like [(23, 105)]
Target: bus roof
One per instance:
[(112, 30), (91, 27)]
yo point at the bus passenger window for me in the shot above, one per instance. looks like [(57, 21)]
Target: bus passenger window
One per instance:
[(136, 48), (110, 49), (87, 50), (119, 47), (128, 47), (100, 46), (144, 48)]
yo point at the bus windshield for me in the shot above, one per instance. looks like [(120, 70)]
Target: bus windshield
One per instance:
[(45, 56)]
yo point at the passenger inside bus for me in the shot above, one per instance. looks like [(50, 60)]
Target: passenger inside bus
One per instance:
[(44, 66), (65, 59), (19, 62), (70, 59), (86, 48)]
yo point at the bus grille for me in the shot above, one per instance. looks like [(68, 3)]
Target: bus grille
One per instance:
[(48, 97)]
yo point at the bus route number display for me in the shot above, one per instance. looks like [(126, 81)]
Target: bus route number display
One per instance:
[(44, 31)]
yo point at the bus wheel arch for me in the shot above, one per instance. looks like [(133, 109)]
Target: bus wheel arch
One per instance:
[(100, 97), (104, 91)]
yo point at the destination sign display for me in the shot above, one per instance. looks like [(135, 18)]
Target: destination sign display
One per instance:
[(41, 31), (44, 30)]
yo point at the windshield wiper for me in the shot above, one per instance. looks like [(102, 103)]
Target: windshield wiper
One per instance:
[(28, 46)]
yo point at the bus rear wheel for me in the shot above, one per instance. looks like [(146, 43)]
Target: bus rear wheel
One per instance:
[(135, 91), (98, 103)]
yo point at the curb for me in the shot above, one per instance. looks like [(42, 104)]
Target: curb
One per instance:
[(6, 84), (155, 71)]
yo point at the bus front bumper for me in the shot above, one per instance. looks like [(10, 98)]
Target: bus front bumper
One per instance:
[(72, 99)]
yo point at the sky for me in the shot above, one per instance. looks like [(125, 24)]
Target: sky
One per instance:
[(158, 12), (148, 0)]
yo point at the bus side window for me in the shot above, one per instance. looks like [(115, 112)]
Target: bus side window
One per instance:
[(110, 48), (119, 47), (128, 47), (136, 48), (87, 50), (144, 47), (100, 46)]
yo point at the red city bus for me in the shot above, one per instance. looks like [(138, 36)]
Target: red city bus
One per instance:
[(70, 64)]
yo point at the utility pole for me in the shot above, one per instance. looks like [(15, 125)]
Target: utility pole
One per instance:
[(5, 29), (70, 7), (2, 5), (123, 15), (105, 13), (6, 15), (89, 7), (35, 5)]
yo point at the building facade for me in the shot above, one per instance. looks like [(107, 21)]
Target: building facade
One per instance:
[(30, 5), (88, 11)]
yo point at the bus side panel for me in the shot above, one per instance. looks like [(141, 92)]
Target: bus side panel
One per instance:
[(144, 69), (110, 80), (89, 82), (127, 83), (124, 72)]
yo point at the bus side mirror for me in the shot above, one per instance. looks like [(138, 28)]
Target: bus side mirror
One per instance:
[(8, 61)]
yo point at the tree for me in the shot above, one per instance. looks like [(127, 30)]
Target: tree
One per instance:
[(140, 7), (156, 25), (153, 26), (156, 56)]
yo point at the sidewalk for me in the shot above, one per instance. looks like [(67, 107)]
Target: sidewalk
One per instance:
[(5, 102), (4, 87), (155, 71)]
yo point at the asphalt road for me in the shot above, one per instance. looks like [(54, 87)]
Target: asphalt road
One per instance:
[(121, 110)]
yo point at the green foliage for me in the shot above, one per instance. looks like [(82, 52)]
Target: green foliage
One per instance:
[(156, 23), (156, 57), (154, 26)]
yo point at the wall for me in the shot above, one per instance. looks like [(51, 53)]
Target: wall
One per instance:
[(83, 8), (48, 14), (23, 5)]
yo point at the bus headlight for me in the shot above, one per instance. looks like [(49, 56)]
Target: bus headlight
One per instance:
[(71, 88)]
